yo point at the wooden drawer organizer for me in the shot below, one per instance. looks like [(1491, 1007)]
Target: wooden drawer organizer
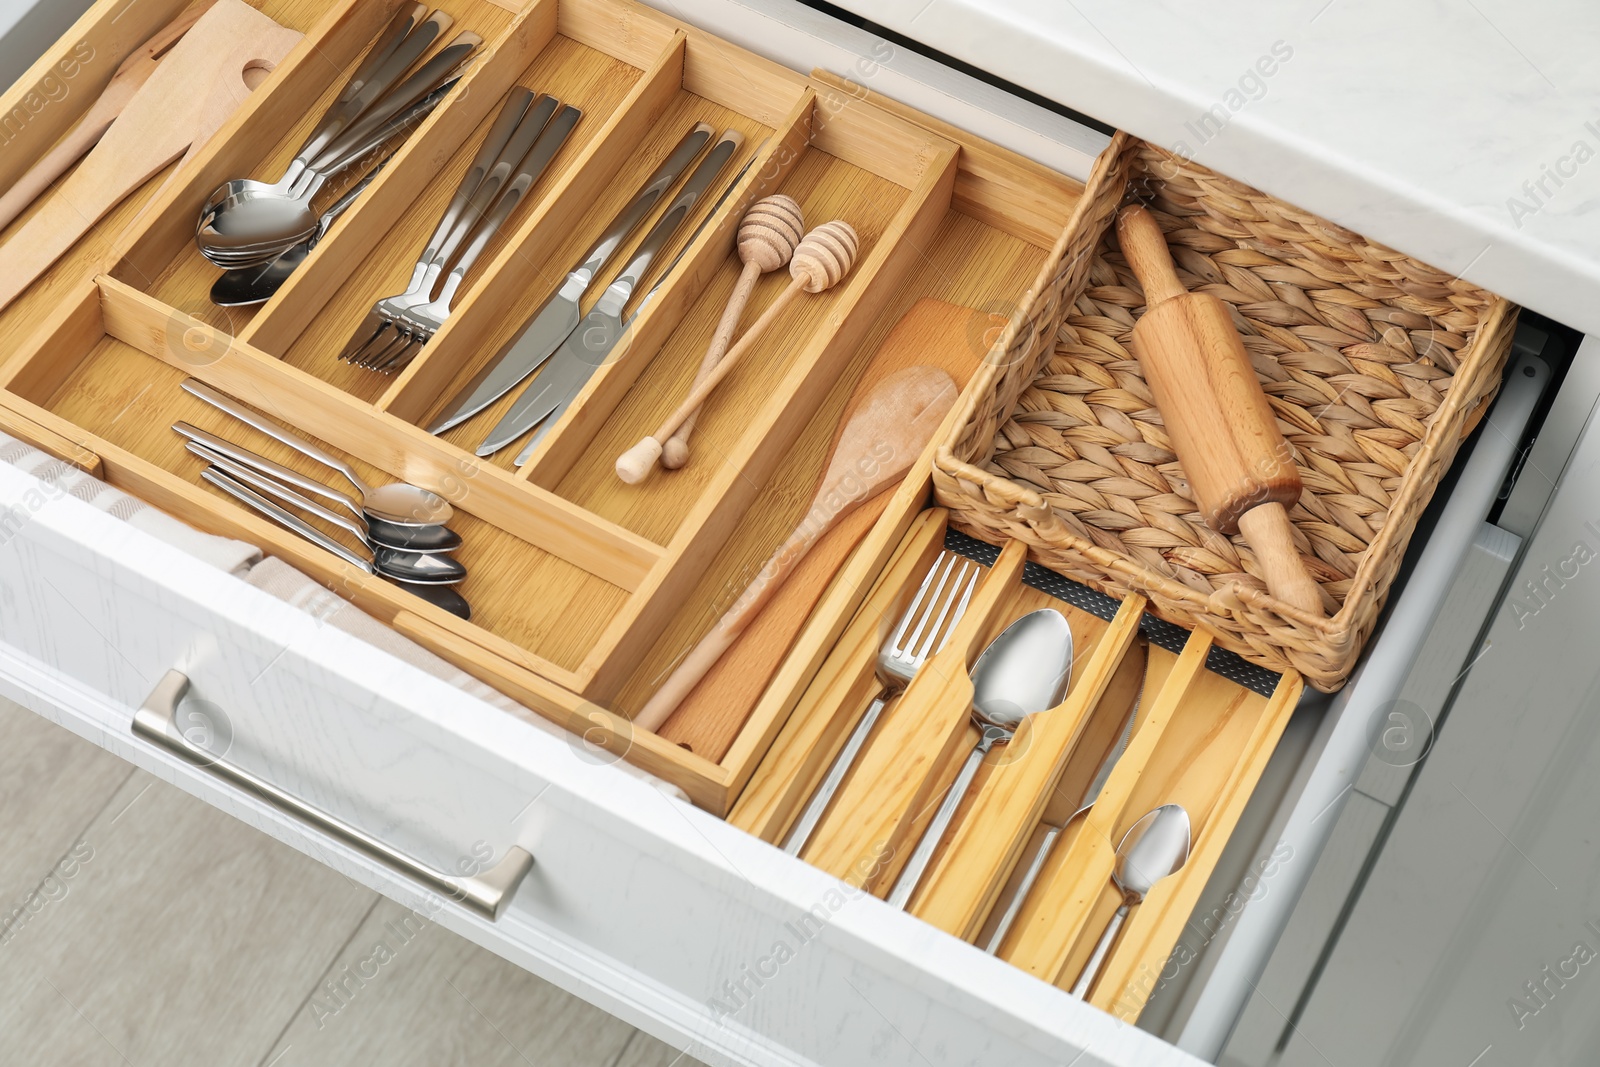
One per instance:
[(585, 591), (1200, 740)]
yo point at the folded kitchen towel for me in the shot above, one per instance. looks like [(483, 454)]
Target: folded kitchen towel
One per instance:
[(279, 579), (235, 557)]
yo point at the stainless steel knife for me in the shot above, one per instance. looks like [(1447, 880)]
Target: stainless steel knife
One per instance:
[(544, 333), (594, 342), (1098, 745)]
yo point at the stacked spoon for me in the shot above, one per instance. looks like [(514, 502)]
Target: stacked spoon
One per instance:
[(400, 528), (247, 223)]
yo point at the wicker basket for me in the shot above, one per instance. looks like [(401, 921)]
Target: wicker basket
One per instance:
[(1376, 365)]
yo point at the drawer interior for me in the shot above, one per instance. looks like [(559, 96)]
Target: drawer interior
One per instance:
[(585, 591), (1199, 738)]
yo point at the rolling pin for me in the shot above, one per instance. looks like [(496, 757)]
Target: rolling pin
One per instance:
[(1241, 471)]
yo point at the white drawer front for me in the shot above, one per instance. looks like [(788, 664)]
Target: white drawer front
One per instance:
[(653, 909)]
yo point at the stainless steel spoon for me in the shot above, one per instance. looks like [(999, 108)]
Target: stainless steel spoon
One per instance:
[(1154, 847), (412, 568), (1023, 671), (244, 210), (398, 502), (244, 286), (441, 596), (387, 534), (425, 579), (394, 562)]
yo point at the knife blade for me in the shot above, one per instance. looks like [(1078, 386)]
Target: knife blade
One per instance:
[(592, 344), (1099, 748), (559, 316)]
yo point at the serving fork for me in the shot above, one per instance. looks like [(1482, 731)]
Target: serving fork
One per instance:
[(933, 613)]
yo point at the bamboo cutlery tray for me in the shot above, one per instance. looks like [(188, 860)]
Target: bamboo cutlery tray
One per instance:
[(586, 591)]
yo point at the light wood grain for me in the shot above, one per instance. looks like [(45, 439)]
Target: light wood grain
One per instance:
[(403, 202), (787, 407), (885, 431), (838, 695), (297, 93), (932, 333), (867, 837), (996, 186), (581, 77), (965, 879), (1212, 404), (407, 453), (198, 84), (1059, 917), (1209, 764), (125, 82)]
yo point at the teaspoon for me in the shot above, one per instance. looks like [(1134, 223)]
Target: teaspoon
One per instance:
[(398, 502)]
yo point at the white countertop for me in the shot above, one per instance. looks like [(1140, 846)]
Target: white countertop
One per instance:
[(1427, 125)]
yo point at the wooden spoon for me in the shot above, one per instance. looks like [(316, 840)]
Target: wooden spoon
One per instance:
[(192, 92), (125, 81), (932, 333), (878, 443)]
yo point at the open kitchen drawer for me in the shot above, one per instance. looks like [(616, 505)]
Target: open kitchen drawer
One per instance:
[(660, 912)]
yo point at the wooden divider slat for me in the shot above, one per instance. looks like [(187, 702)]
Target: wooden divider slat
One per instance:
[(773, 427), (309, 76), (1054, 920), (406, 452), (961, 885), (836, 698), (531, 261), (1217, 766), (347, 252), (598, 734), (866, 839)]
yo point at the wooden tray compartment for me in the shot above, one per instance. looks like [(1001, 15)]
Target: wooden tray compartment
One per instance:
[(1200, 740), (578, 53), (81, 63), (112, 382), (158, 255)]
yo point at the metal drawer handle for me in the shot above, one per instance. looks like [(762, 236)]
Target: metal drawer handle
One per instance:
[(486, 892)]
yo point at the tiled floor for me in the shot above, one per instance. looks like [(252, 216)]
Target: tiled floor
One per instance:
[(141, 928)]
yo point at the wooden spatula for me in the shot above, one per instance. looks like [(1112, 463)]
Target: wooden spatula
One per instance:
[(196, 87), (932, 334), (132, 73)]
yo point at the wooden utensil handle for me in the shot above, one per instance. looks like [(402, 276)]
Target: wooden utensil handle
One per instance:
[(1222, 427), (1271, 535), (1145, 248), (675, 450)]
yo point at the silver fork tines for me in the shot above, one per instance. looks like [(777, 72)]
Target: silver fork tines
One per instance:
[(933, 613)]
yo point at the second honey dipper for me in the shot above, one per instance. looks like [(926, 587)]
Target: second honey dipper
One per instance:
[(768, 235), (1241, 471)]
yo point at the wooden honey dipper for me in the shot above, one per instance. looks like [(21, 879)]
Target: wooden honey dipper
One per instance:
[(768, 236), (820, 262), (1240, 469)]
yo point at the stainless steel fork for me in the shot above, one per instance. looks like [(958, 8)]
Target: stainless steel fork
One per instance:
[(419, 322), (447, 236), (940, 602)]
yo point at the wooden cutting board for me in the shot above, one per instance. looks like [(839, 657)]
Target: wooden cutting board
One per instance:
[(199, 84), (933, 333)]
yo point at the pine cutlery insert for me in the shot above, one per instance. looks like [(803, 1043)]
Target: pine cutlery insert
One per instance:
[(587, 591)]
